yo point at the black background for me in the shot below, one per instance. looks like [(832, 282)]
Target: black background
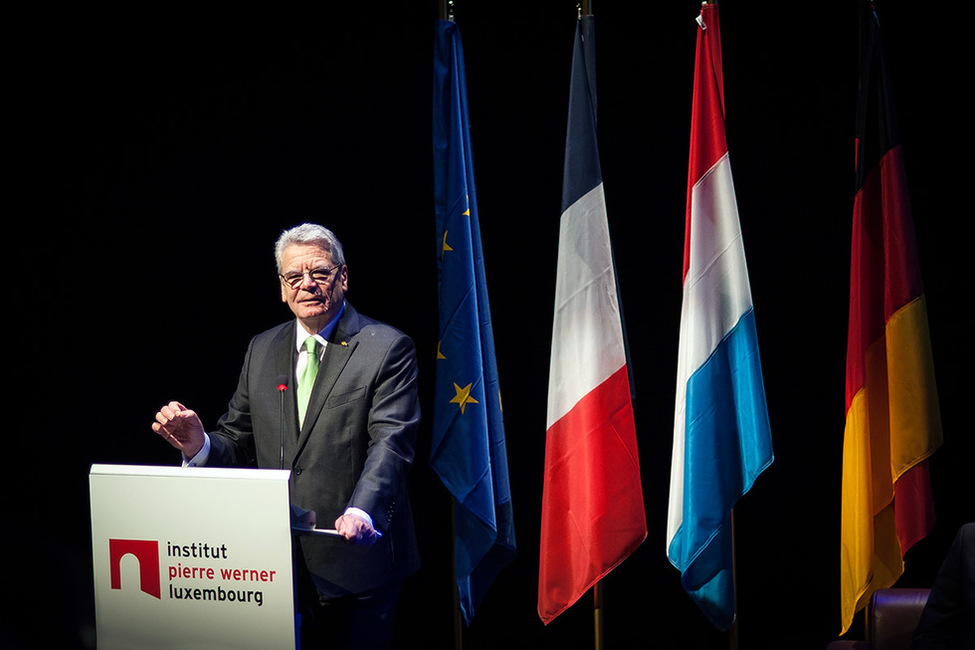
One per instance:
[(158, 153)]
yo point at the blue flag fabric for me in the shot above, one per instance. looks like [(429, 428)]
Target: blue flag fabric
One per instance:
[(582, 172), (468, 449)]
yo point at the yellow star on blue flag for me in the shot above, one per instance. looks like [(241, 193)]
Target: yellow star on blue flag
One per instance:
[(463, 397)]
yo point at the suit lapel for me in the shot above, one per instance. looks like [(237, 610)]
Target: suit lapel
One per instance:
[(337, 353), (285, 357)]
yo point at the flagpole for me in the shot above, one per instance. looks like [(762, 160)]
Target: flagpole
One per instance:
[(733, 632), (445, 12), (458, 623), (585, 9), (597, 597)]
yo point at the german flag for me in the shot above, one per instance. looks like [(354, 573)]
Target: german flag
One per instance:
[(893, 423)]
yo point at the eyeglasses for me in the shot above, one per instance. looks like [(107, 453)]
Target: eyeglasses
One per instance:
[(318, 276)]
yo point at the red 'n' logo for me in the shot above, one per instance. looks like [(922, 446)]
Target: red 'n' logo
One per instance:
[(146, 552)]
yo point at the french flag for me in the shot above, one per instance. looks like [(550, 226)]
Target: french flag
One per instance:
[(722, 439), (592, 501)]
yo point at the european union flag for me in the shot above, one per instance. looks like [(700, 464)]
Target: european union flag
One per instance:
[(468, 449)]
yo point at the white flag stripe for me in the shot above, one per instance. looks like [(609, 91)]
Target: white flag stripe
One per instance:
[(587, 340), (717, 277)]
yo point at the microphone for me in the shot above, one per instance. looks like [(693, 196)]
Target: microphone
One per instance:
[(282, 388)]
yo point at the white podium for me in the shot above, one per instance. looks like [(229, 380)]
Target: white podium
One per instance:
[(191, 558)]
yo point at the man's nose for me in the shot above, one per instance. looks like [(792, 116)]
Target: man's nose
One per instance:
[(307, 283)]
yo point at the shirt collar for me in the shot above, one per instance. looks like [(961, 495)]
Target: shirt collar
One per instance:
[(322, 335)]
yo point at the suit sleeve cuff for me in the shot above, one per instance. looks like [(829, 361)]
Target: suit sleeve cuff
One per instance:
[(201, 456), (358, 512)]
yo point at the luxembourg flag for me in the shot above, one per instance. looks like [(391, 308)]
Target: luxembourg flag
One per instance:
[(592, 498), (722, 440)]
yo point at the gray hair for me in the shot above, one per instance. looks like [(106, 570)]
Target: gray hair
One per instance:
[(309, 233)]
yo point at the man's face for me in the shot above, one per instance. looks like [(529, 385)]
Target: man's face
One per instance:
[(314, 301)]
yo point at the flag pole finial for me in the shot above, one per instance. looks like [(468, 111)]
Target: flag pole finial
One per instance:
[(447, 10)]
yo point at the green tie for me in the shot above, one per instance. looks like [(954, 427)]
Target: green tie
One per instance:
[(307, 378)]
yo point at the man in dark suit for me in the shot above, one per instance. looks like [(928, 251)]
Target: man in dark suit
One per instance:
[(348, 437)]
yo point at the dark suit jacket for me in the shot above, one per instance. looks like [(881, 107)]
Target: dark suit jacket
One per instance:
[(948, 620), (354, 449)]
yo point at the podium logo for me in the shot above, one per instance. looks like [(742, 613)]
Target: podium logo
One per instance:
[(146, 552)]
